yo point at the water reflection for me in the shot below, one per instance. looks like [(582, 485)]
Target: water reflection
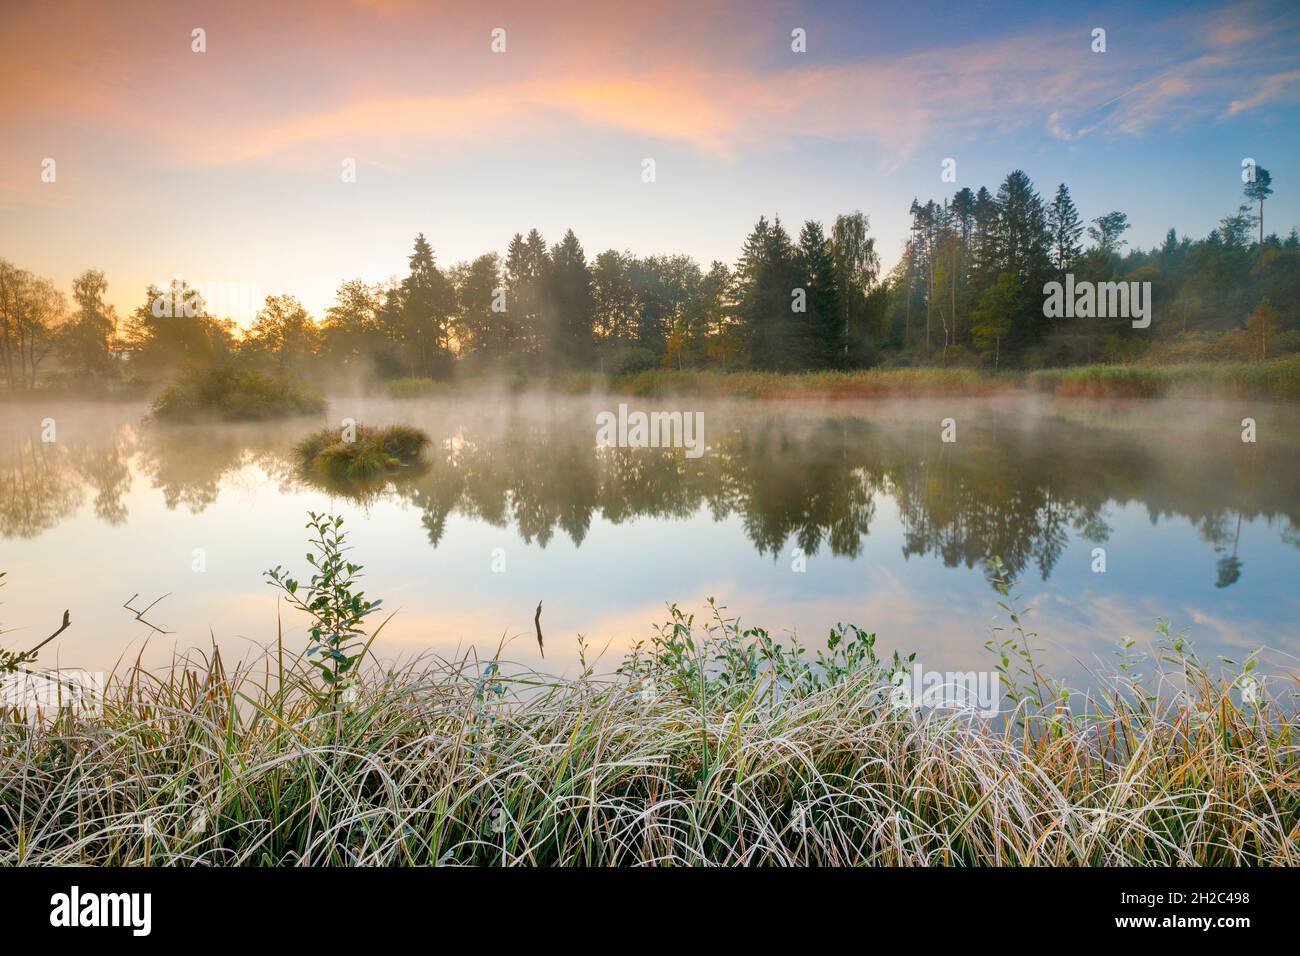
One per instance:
[(1021, 481)]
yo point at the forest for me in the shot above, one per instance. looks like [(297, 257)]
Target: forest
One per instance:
[(967, 291)]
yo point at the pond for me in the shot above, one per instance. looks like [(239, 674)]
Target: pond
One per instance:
[(795, 516)]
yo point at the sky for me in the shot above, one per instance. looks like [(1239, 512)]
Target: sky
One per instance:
[(227, 166)]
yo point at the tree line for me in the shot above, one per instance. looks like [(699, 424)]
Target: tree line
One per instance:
[(967, 290)]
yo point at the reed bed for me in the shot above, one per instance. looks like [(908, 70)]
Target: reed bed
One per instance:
[(865, 383), (709, 746), (1277, 379)]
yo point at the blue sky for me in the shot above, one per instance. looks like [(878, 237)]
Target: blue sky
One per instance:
[(225, 166)]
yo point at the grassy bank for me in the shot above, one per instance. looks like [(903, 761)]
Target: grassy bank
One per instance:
[(1278, 379), (458, 763), (709, 745), (868, 383), (714, 384)]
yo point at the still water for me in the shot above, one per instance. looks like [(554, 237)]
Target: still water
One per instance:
[(797, 516)]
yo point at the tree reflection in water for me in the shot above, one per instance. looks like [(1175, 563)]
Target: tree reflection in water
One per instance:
[(1020, 482)]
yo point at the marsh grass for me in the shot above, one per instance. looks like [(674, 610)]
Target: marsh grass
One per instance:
[(1278, 379), (417, 387), (226, 393), (373, 453), (710, 745), (1275, 379), (867, 383)]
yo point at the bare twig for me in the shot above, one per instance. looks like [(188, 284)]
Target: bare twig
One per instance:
[(139, 615), (537, 623), (67, 623)]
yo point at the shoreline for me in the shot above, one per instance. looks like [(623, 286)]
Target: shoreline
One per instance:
[(1276, 379)]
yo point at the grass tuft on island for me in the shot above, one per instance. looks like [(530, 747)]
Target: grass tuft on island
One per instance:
[(372, 452), (227, 393)]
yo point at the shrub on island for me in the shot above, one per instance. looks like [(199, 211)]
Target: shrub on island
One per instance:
[(232, 394)]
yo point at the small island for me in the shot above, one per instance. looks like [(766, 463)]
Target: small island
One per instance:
[(361, 453), (226, 393)]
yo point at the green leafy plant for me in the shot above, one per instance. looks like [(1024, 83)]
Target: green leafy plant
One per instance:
[(725, 664), (337, 606), (1015, 652)]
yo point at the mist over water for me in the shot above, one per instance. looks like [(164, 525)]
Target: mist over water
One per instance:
[(516, 503)]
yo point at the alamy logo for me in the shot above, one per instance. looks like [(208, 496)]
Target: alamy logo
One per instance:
[(133, 910), (651, 430), (47, 693), (1098, 300), (980, 691)]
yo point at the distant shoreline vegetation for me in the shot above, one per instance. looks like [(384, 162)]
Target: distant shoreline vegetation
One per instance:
[(972, 289), (1277, 379)]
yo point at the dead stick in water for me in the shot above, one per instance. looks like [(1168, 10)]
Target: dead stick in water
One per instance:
[(67, 622), (537, 623)]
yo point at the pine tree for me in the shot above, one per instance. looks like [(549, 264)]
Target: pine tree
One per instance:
[(1065, 228), (1259, 188), (570, 296), (1022, 227), (426, 310), (767, 280), (526, 265), (824, 328)]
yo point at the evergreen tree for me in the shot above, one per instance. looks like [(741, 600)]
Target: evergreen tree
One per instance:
[(526, 266), (825, 328), (1259, 188), (1064, 228), (1022, 240), (984, 240), (572, 307), (1022, 251), (426, 314), (767, 277)]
